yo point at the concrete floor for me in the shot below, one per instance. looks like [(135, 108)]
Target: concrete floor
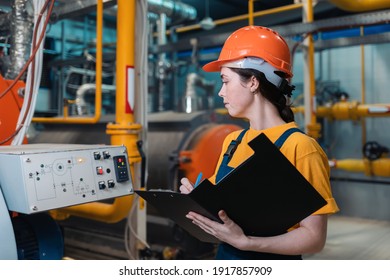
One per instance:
[(348, 239), (355, 239)]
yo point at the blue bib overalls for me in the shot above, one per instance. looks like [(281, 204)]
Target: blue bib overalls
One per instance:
[(226, 251)]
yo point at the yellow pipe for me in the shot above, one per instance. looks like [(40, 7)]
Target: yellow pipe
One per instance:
[(125, 61), (361, 5), (98, 92), (124, 131), (250, 12), (98, 211), (352, 165), (242, 17), (352, 110), (312, 127), (378, 167)]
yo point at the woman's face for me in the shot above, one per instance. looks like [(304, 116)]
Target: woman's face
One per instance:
[(237, 96)]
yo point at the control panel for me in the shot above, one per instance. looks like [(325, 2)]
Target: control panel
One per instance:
[(40, 177)]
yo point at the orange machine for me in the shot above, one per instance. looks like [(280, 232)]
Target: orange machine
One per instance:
[(10, 105), (203, 152)]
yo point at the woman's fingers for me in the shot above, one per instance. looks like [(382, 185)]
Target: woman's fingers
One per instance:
[(186, 186)]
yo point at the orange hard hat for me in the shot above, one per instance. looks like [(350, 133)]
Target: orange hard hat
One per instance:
[(254, 41)]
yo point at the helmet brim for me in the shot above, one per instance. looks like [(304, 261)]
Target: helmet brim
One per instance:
[(214, 66)]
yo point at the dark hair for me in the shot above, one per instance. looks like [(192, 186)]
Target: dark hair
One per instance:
[(269, 91)]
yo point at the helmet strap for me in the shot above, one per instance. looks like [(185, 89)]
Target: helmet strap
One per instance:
[(286, 88)]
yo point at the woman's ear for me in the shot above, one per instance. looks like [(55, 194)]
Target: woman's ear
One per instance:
[(254, 84)]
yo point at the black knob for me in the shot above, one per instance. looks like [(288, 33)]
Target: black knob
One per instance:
[(102, 185), (111, 184), (96, 155)]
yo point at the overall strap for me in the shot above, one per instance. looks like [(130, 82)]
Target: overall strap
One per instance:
[(233, 146), (224, 168), (280, 141)]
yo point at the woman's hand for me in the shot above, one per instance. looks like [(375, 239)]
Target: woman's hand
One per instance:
[(186, 186), (228, 231)]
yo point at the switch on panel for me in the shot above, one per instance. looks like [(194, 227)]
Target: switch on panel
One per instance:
[(102, 185), (106, 155), (96, 155), (121, 170), (110, 184)]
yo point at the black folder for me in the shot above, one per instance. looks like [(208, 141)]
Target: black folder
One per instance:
[(266, 195)]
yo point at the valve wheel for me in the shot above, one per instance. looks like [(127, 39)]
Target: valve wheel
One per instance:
[(372, 150)]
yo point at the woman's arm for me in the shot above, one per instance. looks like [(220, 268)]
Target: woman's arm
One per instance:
[(309, 238)]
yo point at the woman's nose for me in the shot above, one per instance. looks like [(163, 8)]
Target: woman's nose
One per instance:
[(221, 92)]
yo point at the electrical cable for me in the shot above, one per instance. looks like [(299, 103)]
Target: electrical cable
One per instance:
[(33, 68)]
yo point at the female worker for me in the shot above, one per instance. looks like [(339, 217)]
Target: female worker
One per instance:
[(254, 64)]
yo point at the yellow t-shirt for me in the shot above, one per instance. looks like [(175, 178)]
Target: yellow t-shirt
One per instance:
[(301, 150)]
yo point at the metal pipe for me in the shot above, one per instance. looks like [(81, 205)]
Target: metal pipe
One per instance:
[(162, 64), (80, 103), (193, 80), (361, 5), (177, 10), (191, 102), (71, 9)]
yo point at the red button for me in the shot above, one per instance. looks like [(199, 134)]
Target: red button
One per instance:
[(99, 170)]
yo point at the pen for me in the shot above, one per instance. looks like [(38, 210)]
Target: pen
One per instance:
[(198, 179)]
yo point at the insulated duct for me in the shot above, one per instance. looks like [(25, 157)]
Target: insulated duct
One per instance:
[(175, 10), (21, 22)]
